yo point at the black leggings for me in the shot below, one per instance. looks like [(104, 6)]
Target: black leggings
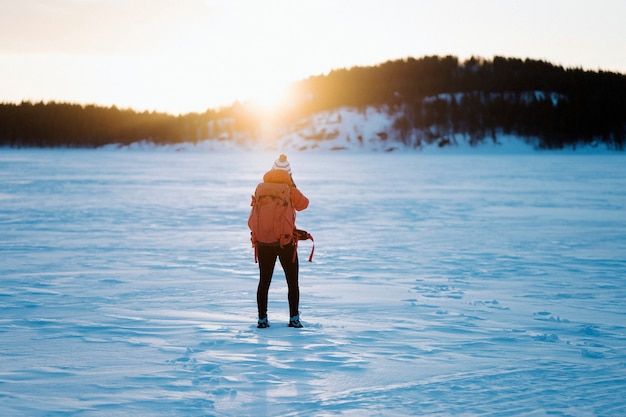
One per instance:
[(267, 260)]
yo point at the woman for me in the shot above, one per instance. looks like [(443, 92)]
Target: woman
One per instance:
[(285, 252)]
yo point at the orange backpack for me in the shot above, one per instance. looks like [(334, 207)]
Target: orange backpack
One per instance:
[(272, 218)]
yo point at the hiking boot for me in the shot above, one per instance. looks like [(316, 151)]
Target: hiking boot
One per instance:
[(263, 323), (295, 322)]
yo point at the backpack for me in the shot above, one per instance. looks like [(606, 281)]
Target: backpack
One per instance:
[(272, 218)]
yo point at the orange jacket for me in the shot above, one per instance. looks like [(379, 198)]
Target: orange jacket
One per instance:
[(298, 200)]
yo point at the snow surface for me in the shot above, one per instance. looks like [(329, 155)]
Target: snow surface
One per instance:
[(441, 285)]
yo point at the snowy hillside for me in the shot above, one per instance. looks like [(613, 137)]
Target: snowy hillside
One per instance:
[(349, 129), (373, 130), (345, 129)]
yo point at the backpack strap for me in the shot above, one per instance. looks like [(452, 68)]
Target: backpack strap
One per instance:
[(256, 252), (312, 249), (302, 235)]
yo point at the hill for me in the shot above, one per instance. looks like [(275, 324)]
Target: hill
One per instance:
[(421, 102)]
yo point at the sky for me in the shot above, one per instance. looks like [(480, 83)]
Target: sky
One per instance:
[(182, 56)]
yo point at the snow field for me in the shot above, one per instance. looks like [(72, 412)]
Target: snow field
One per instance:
[(441, 285)]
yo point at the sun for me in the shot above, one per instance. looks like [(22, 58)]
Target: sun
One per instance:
[(270, 97)]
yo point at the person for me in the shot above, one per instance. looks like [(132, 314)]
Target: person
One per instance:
[(286, 253)]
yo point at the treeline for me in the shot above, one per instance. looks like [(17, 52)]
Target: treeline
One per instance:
[(430, 98), (71, 125), (481, 98)]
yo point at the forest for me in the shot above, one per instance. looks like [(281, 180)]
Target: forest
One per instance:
[(428, 96)]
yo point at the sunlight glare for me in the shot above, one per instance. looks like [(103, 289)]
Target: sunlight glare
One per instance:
[(270, 97)]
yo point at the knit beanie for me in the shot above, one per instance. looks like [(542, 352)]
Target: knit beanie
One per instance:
[(282, 164)]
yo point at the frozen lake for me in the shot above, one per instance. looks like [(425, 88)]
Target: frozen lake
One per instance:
[(441, 285)]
